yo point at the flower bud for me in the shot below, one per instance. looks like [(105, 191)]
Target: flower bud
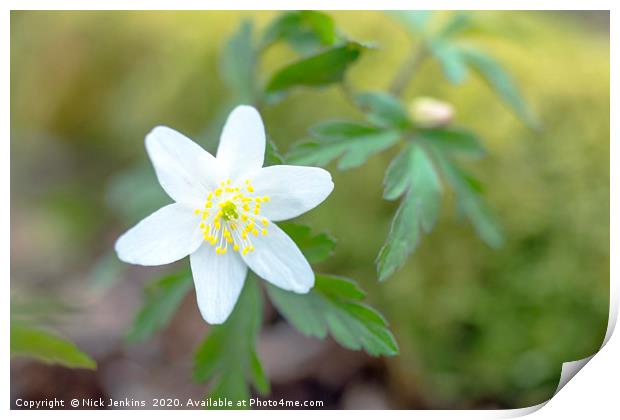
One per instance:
[(429, 112)]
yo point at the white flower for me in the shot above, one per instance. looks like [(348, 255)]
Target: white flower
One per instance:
[(223, 213)]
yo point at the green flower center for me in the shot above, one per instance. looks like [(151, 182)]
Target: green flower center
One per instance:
[(229, 211)]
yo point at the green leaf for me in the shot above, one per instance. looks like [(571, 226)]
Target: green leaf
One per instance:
[(321, 69), (228, 355), (402, 239), (451, 59), (306, 30), (259, 378), (454, 140), (383, 109), (272, 154), (333, 306), (397, 176), (471, 204), (238, 64), (32, 342), (162, 299), (412, 172), (414, 20), (354, 143), (501, 82), (457, 23), (315, 248)]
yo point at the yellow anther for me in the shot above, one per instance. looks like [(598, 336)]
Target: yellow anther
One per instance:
[(228, 181), (244, 235), (265, 221), (236, 248), (213, 240), (222, 183), (197, 211), (246, 207), (229, 240), (246, 250), (204, 215), (257, 211), (218, 192), (250, 188), (209, 204), (202, 226), (210, 196), (264, 232), (265, 199), (223, 251), (244, 217), (255, 232), (247, 181)]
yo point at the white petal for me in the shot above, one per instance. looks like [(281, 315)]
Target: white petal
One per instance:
[(219, 280), (242, 144), (184, 169), (277, 259), (165, 236), (292, 190)]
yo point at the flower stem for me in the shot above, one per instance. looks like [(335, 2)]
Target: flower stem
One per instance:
[(407, 71)]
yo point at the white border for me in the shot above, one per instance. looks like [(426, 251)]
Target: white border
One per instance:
[(594, 393)]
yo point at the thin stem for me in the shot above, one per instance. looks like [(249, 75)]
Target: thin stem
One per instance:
[(407, 71), (348, 92)]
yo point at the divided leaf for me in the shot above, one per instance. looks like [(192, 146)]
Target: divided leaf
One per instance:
[(315, 248), (451, 59), (333, 307), (228, 355), (35, 343), (471, 204), (500, 81), (352, 142), (413, 174), (415, 21), (453, 140), (383, 109), (305, 30), (458, 22), (162, 299), (457, 59), (321, 69)]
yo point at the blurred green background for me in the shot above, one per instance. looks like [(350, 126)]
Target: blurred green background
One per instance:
[(477, 327)]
